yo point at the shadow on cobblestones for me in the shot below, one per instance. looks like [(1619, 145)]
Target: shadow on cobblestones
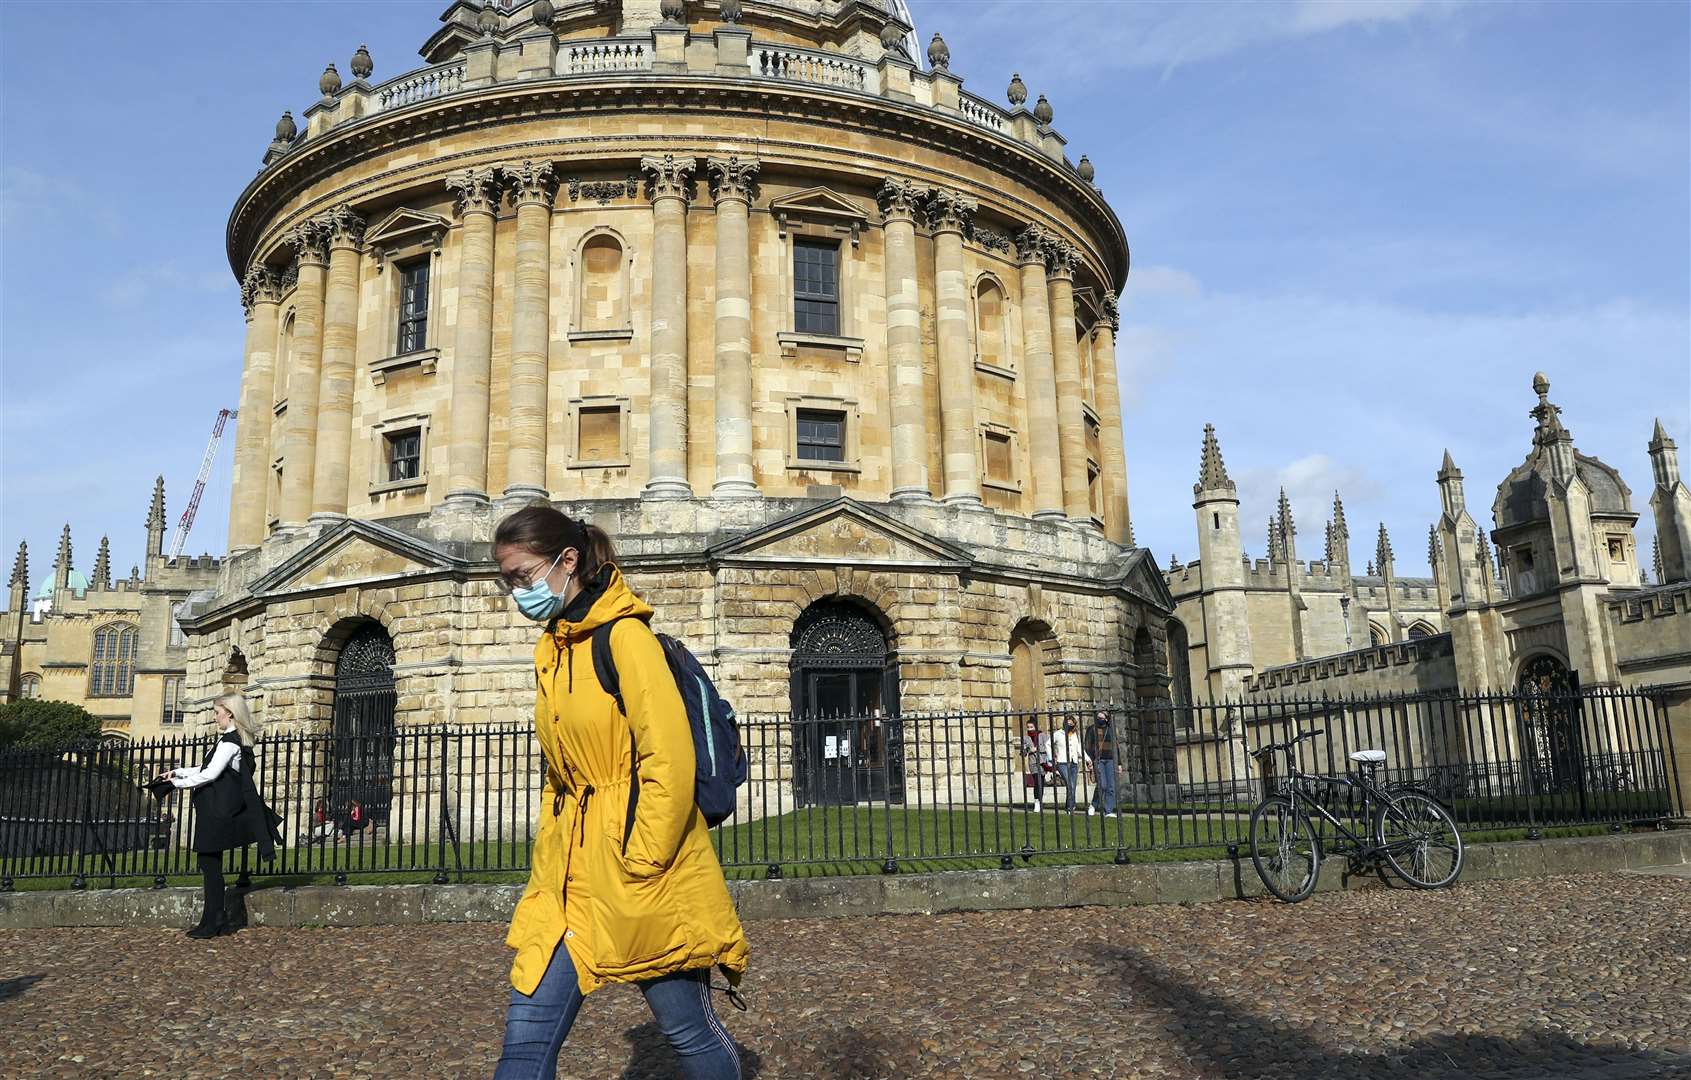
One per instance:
[(1231, 1043), (11, 988), (650, 1056)]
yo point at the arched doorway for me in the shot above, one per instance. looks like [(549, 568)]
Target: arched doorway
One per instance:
[(844, 682), (361, 756), (1027, 666), (1549, 710)]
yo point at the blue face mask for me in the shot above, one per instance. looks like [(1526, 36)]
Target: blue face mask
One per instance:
[(538, 601)]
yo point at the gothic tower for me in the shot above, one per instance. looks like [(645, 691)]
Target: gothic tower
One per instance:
[(1226, 631), (1671, 503)]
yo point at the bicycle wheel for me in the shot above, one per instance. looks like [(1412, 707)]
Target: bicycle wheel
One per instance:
[(1419, 839), (1284, 849)]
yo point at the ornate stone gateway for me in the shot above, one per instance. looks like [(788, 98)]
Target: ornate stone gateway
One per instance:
[(844, 679), (1550, 735), (361, 758)]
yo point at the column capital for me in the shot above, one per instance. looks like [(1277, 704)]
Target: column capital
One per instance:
[(260, 285), (1110, 314), (342, 227), (530, 183), (1060, 257), (733, 177), (310, 242), (900, 198), (476, 190), (950, 211), (1030, 245), (668, 177)]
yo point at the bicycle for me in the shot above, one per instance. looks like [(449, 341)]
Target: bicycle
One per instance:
[(1408, 829)]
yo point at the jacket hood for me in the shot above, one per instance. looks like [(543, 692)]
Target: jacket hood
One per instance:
[(616, 602)]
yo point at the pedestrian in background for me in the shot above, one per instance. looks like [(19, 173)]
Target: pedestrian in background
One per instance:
[(624, 884), (1036, 762), (228, 814), (1101, 745), (1066, 755)]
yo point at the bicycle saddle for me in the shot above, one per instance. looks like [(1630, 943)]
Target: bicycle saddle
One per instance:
[(1368, 757)]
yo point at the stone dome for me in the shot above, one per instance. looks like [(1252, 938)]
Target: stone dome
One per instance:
[(78, 584), (1521, 497)]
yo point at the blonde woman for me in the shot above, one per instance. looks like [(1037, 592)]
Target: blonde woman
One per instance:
[(228, 814)]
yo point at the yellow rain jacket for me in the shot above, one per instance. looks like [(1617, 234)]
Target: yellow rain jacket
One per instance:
[(632, 907)]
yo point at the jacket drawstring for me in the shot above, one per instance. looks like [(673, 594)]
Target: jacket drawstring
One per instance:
[(581, 820), (569, 665)]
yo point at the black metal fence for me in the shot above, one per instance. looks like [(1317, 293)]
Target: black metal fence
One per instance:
[(858, 794)]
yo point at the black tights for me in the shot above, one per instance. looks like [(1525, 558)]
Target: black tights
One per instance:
[(211, 866)]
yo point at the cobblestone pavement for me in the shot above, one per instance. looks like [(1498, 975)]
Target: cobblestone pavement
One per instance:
[(1583, 977)]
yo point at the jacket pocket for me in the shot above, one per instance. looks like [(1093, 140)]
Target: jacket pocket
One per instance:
[(636, 923)]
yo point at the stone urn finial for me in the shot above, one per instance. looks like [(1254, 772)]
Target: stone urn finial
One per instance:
[(542, 13), (939, 54), (286, 129), (488, 20), (330, 83), (892, 37), (673, 11), (1018, 89), (730, 11), (1086, 169), (1042, 110), (362, 64)]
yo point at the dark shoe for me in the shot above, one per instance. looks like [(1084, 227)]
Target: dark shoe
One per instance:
[(203, 931)]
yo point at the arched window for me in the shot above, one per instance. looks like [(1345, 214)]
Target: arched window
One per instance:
[(601, 285), (112, 673), (991, 342), (1376, 636), (1180, 668), (284, 352), (1420, 630), (29, 686)]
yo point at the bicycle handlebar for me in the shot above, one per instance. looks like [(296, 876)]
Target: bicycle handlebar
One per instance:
[(1289, 743)]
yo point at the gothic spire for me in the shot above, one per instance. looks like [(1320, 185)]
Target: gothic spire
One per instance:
[(1549, 417), (1274, 540), (1656, 559), (1339, 514), (63, 557), (20, 566), (155, 513), (1212, 471), (1433, 546), (1284, 513), (1383, 549), (102, 577)]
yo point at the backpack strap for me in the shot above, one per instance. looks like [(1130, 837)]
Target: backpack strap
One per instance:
[(605, 664)]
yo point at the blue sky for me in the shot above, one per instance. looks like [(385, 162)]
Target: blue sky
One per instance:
[(1357, 231)]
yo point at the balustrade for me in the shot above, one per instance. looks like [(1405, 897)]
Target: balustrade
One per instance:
[(802, 66), (610, 55), (419, 86)]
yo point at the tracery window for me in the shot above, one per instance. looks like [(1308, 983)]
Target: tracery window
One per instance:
[(30, 686), (112, 672)]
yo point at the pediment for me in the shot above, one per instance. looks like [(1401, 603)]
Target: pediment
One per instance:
[(354, 552), (1142, 578), (406, 228), (818, 201), (841, 533)]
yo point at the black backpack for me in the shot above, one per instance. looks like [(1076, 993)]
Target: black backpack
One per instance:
[(720, 762)]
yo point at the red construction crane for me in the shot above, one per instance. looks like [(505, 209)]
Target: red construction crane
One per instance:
[(187, 521)]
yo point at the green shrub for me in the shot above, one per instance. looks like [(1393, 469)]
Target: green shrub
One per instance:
[(33, 722)]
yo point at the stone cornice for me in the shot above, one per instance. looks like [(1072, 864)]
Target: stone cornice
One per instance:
[(732, 177), (918, 125)]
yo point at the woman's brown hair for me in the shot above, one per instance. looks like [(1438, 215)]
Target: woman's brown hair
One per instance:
[(546, 531)]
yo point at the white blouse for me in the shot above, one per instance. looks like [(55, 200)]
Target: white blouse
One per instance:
[(226, 756)]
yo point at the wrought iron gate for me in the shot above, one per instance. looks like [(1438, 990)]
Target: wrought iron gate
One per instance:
[(844, 690), (361, 756)]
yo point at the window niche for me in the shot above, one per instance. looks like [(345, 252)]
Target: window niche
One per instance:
[(407, 246), (1000, 456), (598, 433), (822, 434), (400, 454), (601, 310), (992, 327), (820, 230)]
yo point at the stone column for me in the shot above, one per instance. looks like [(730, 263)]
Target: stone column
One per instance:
[(732, 180), (1071, 413), (669, 185), (1118, 524), (1043, 446), (532, 188), (329, 482), (899, 201), (305, 357), (477, 191), (949, 213), (261, 291)]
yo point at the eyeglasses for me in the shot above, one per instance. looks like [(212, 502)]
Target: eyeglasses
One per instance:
[(521, 579)]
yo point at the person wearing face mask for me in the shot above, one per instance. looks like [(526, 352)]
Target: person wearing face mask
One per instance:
[(624, 884), (228, 813)]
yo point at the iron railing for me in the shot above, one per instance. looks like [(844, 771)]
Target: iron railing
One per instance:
[(855, 794)]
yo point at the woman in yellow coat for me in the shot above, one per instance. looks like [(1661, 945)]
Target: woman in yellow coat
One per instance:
[(632, 891)]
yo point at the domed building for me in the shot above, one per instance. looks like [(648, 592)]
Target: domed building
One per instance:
[(825, 341)]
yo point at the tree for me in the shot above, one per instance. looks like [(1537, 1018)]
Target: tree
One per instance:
[(36, 723)]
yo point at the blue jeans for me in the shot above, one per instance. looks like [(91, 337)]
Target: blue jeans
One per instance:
[(1068, 769), (536, 1025), (1104, 794)]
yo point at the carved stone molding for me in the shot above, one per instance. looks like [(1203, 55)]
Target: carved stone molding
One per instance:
[(530, 182), (476, 190), (261, 285), (290, 275), (1030, 244), (990, 240), (341, 226), (950, 211), (900, 198), (603, 191), (732, 177), (1060, 257), (668, 177), (309, 241), (1112, 311)]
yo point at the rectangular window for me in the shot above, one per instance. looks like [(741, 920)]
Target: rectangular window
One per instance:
[(1617, 549), (998, 467), (413, 306), (1094, 494), (404, 454), (821, 435), (172, 715), (816, 287), (177, 637), (599, 437)]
